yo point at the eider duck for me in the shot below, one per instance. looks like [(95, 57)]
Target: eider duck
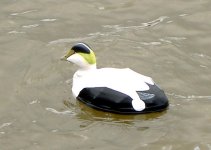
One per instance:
[(110, 89)]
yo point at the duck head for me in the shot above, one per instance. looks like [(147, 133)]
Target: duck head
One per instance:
[(81, 55)]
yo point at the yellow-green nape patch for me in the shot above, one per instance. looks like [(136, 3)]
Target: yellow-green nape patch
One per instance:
[(90, 58)]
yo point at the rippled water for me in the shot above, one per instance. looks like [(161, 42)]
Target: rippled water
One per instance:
[(167, 40)]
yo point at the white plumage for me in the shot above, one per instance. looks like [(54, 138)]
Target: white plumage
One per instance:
[(123, 80)]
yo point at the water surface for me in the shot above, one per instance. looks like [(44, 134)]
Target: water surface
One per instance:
[(167, 40)]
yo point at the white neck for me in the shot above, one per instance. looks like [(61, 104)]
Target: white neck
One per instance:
[(88, 67), (83, 71)]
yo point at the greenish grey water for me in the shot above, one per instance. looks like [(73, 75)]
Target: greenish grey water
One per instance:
[(167, 40)]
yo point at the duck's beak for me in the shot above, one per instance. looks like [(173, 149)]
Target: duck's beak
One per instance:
[(68, 54)]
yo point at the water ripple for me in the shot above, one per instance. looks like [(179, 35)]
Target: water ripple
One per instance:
[(190, 96), (142, 26), (48, 20), (34, 102), (155, 22), (16, 32), (183, 15), (22, 13), (151, 43), (69, 40), (30, 26), (5, 124), (60, 112), (114, 29), (202, 55), (171, 40), (176, 38)]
